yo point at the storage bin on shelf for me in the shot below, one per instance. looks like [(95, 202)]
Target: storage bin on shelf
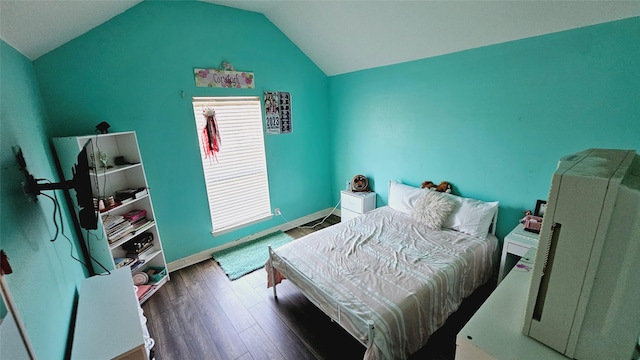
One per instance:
[(156, 273)]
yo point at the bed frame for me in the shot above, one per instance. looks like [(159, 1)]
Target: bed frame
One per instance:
[(368, 322)]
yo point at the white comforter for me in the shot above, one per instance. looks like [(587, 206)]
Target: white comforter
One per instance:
[(387, 268)]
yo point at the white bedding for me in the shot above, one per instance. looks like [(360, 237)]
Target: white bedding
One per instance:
[(385, 267)]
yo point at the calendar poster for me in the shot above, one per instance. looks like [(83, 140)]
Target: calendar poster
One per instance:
[(277, 108)]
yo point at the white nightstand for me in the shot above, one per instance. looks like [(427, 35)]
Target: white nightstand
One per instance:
[(516, 244), (354, 204)]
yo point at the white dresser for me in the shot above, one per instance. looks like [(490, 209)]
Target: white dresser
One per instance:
[(354, 204), (109, 320)]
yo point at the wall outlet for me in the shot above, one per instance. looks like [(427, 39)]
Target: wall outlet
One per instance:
[(277, 211)]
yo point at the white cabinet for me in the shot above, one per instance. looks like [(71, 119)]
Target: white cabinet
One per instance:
[(354, 204), (495, 330), (127, 234), (107, 325)]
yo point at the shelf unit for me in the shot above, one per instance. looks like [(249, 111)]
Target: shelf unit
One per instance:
[(124, 170)]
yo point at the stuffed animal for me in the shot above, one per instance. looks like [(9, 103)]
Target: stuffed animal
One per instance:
[(442, 187), (428, 185)]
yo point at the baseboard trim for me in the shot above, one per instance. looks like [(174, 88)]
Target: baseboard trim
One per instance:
[(206, 254)]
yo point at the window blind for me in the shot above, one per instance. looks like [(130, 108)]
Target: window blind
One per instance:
[(237, 183)]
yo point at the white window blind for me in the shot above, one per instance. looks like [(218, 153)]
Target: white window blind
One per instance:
[(237, 183)]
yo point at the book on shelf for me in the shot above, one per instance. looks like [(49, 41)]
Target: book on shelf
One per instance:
[(130, 194), (147, 295), (111, 221), (122, 229), (141, 192), (116, 229), (122, 262), (133, 263), (125, 194), (135, 215), (137, 264), (130, 229), (140, 223), (141, 290)]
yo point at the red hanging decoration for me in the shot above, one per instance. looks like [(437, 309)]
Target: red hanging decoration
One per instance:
[(5, 268), (210, 134)]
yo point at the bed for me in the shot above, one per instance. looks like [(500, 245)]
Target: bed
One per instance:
[(391, 277)]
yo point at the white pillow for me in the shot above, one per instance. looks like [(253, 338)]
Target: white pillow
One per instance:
[(432, 208), (471, 216), (403, 197)]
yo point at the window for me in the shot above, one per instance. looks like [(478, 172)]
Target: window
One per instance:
[(236, 179)]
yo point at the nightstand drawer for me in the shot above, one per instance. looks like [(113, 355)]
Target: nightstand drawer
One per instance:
[(346, 215), (351, 202), (516, 249)]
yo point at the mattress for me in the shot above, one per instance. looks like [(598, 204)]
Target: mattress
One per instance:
[(386, 271)]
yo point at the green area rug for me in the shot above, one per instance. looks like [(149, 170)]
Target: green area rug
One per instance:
[(240, 260)]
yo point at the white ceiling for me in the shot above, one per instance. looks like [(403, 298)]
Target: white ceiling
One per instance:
[(339, 36)]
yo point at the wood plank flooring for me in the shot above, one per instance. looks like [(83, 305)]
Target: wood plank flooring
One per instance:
[(201, 314)]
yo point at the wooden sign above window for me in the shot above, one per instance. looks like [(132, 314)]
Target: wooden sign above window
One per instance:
[(224, 77)]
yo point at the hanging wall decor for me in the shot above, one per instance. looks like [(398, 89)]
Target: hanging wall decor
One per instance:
[(210, 134), (224, 77), (277, 108)]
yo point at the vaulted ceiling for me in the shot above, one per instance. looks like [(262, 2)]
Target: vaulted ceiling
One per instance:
[(339, 36)]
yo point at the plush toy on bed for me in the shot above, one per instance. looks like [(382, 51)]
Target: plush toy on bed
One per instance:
[(442, 187), (428, 185)]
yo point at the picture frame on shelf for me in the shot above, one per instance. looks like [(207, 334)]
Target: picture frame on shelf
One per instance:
[(541, 207)]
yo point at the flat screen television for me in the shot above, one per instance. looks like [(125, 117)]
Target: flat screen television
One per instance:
[(81, 183)]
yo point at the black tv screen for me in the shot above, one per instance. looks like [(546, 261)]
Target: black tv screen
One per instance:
[(82, 184)]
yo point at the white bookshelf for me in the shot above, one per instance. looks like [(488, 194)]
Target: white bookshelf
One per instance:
[(124, 170)]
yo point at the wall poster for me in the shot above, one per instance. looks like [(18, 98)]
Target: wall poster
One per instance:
[(277, 109)]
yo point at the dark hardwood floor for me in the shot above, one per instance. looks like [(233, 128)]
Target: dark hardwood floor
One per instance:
[(201, 314)]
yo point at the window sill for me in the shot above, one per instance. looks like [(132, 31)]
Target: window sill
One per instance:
[(236, 227)]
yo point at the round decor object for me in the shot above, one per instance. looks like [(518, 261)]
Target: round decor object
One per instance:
[(140, 278), (359, 183)]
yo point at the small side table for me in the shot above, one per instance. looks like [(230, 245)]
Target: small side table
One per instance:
[(356, 203), (516, 244)]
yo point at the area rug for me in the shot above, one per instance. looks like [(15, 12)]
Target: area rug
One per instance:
[(240, 260)]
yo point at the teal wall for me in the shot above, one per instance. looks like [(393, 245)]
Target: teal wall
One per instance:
[(45, 277), (132, 71), (494, 120)]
